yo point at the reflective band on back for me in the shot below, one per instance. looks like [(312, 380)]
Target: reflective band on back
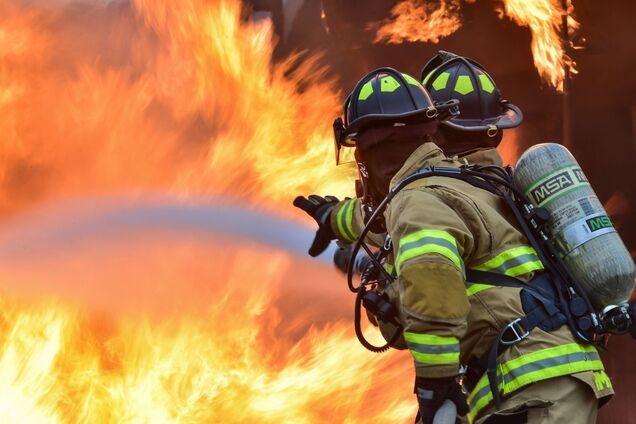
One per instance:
[(536, 366), (426, 242), (344, 219), (513, 262)]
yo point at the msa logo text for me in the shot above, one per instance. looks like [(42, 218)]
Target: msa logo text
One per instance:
[(552, 186), (599, 223), (580, 176)]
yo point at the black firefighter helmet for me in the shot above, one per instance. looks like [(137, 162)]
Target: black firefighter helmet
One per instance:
[(386, 97), (449, 76)]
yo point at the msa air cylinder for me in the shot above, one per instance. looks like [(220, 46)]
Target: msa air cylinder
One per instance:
[(589, 244)]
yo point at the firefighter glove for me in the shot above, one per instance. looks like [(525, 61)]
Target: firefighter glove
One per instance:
[(432, 392), (319, 208)]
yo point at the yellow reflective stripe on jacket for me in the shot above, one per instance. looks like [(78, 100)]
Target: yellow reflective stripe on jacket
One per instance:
[(389, 267), (344, 219), (532, 367), (430, 349), (513, 262), (424, 242), (602, 380), (474, 288)]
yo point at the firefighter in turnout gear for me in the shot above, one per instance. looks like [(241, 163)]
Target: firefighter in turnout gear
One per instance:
[(444, 231)]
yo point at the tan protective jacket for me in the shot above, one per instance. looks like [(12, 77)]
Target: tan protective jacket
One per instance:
[(440, 227)]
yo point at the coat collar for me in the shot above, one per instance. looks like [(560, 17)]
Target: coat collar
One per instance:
[(429, 154)]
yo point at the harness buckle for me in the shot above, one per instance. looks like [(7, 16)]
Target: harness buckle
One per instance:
[(518, 333)]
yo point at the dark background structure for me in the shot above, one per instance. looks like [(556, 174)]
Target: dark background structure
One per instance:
[(602, 95)]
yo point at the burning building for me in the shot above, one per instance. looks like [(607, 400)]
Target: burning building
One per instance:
[(120, 119)]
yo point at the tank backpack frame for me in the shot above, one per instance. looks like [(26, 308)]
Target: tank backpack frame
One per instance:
[(560, 289)]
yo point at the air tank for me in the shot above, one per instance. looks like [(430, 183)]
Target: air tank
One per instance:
[(583, 233)]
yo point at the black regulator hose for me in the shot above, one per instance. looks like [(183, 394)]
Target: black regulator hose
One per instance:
[(357, 319)]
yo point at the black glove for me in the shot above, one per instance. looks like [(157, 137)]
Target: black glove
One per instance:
[(432, 392), (319, 208)]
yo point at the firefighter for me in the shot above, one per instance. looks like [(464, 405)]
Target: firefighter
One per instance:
[(442, 228)]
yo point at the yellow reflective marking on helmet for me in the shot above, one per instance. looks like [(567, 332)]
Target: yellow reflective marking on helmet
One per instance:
[(366, 91), (464, 85), (427, 77), (486, 83), (411, 80), (389, 84), (441, 81)]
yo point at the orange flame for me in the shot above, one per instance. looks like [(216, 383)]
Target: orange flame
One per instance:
[(180, 98), (543, 17), (235, 362), (418, 20)]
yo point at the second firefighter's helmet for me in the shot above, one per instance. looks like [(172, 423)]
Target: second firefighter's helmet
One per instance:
[(386, 97), (449, 76)]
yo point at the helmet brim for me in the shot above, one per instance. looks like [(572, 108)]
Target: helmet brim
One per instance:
[(510, 118), (422, 115)]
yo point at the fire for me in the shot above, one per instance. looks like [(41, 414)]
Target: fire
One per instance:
[(183, 98), (417, 20), (233, 363), (544, 17), (179, 98)]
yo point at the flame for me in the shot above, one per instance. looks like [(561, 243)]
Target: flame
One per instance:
[(417, 20), (179, 98), (237, 361), (182, 98), (544, 18)]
